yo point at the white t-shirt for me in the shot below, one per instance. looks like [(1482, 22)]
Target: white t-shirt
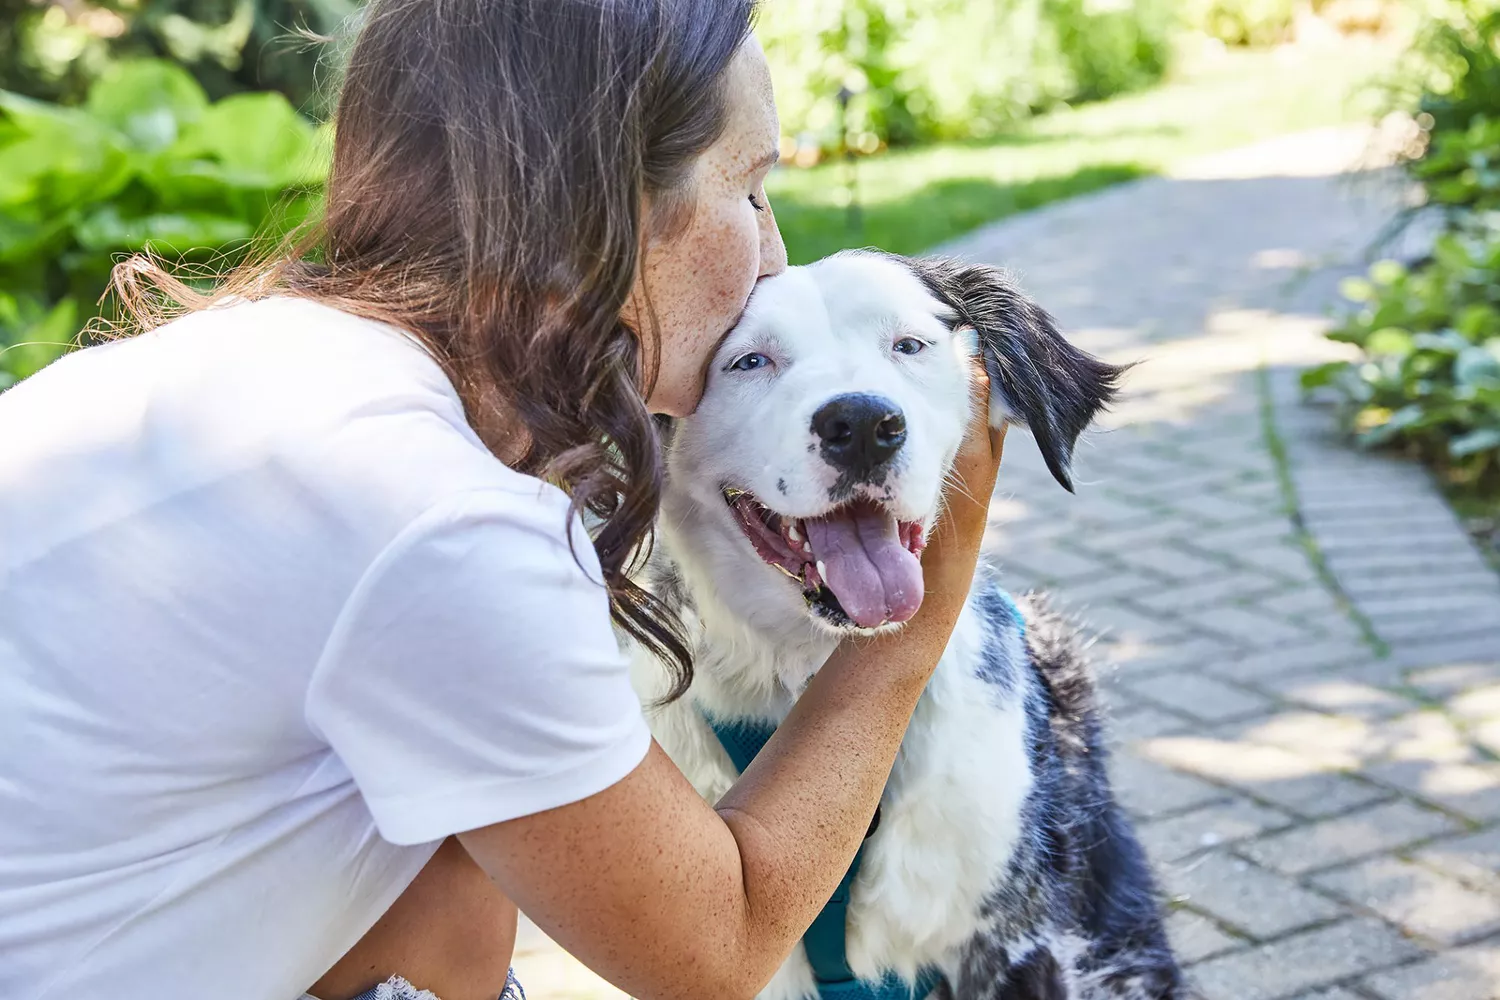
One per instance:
[(272, 623)]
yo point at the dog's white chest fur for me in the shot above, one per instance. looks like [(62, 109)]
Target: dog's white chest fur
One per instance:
[(951, 813)]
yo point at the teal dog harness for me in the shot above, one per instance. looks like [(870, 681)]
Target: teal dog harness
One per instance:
[(824, 941)]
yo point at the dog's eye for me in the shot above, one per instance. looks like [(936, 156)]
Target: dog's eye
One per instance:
[(748, 363), (908, 345)]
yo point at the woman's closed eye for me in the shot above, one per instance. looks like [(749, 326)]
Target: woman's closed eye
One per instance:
[(756, 203)]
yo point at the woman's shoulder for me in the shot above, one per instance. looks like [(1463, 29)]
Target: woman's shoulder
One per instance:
[(303, 344), (309, 356), (358, 396), (348, 414)]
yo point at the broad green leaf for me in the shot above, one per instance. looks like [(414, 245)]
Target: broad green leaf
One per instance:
[(40, 343), (27, 114), (1478, 321), (150, 101), (1387, 272), (1483, 439), (22, 240), (1324, 374), (1476, 366), (1350, 333), (1452, 254), (1357, 289), (55, 158), (1442, 342), (1384, 431), (168, 232), (1389, 340), (258, 140), (10, 313)]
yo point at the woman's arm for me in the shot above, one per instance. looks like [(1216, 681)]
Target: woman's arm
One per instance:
[(667, 897)]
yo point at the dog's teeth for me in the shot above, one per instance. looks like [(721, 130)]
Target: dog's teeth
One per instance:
[(822, 572), (792, 534)]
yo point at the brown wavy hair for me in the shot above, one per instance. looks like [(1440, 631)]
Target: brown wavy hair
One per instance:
[(492, 164)]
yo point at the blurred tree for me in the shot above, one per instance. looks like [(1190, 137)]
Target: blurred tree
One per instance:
[(952, 69), (55, 49)]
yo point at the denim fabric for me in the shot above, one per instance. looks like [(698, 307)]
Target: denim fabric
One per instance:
[(396, 988)]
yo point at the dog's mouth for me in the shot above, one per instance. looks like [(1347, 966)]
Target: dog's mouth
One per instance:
[(857, 565)]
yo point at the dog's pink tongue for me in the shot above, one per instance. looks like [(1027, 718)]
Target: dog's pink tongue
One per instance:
[(874, 576)]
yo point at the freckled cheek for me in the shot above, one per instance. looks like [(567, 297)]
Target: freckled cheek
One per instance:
[(730, 252)]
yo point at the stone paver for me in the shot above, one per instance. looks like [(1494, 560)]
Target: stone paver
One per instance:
[(1471, 790), (1256, 902), (1151, 790), (1300, 648), (1420, 901), (1195, 937), (1473, 858), (1385, 827), (1462, 974), (1192, 693), (1180, 837), (1362, 692), (1301, 962)]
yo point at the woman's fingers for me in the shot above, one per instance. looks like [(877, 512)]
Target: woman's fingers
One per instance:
[(978, 461), (954, 541)]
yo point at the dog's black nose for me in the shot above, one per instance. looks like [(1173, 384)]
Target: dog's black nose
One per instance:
[(860, 432)]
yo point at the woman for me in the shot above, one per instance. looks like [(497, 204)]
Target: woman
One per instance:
[(306, 669)]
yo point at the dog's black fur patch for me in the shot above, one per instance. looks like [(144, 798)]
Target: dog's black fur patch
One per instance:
[(1052, 387), (1079, 893)]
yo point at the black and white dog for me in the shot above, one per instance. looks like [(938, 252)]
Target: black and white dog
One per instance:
[(797, 501)]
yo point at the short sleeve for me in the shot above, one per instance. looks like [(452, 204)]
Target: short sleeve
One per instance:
[(473, 675)]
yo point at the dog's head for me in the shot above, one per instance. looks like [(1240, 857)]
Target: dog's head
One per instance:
[(807, 478)]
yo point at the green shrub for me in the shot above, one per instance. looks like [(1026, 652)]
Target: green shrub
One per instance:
[(1456, 67), (1257, 23), (1460, 172), (953, 69), (147, 163), (1429, 378), (1455, 64), (1111, 48), (54, 51)]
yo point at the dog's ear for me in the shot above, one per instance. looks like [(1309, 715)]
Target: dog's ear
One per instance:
[(1037, 378)]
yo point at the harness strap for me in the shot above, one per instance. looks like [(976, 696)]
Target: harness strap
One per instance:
[(824, 941), (892, 987)]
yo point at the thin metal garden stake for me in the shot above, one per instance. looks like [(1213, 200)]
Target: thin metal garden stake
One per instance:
[(856, 222)]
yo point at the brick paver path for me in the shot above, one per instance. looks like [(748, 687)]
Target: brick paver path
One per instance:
[(1305, 648)]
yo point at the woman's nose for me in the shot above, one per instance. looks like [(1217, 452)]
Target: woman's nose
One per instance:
[(772, 248)]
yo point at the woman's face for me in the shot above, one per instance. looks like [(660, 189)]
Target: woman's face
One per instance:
[(699, 279)]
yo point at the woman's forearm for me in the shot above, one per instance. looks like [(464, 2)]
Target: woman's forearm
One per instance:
[(801, 809)]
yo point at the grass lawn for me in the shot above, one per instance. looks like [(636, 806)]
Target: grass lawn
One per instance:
[(912, 200)]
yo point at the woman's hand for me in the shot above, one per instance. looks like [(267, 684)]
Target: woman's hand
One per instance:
[(953, 543)]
